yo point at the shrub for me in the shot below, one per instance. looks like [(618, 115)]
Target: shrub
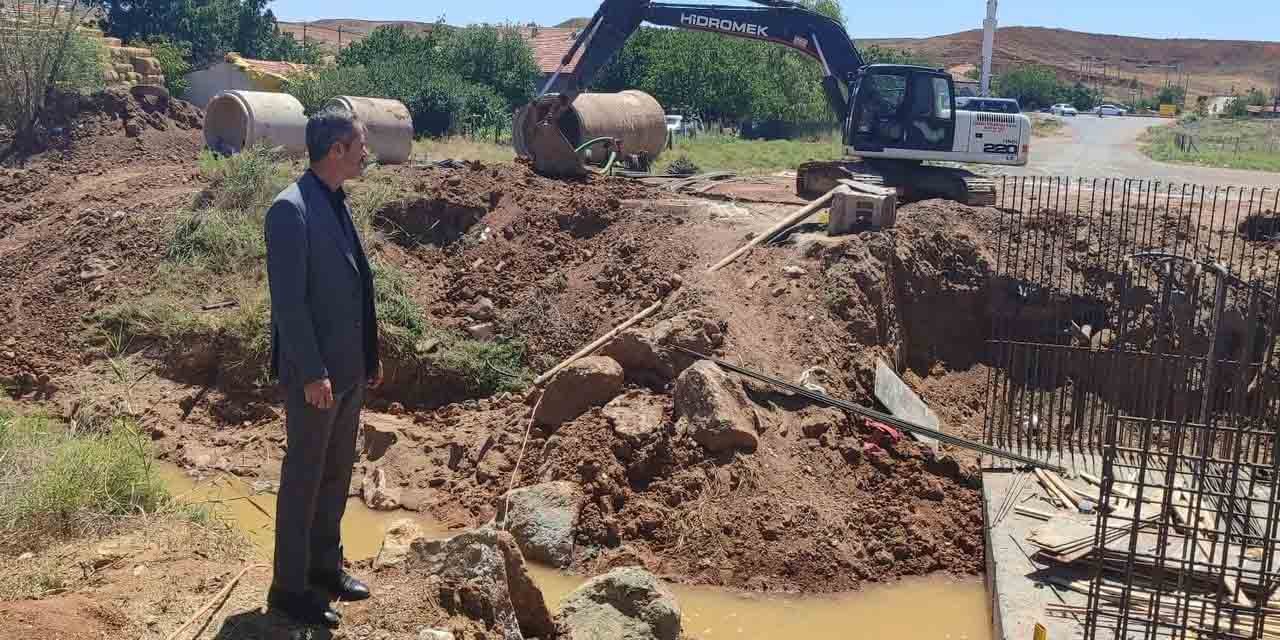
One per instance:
[(315, 88), (58, 482), (41, 50), (249, 180), (172, 57), (682, 166)]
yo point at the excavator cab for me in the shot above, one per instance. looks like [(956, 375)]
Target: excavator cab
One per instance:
[(901, 107)]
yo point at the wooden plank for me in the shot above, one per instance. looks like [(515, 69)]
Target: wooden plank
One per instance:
[(903, 403)]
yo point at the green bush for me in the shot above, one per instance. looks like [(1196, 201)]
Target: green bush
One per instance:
[(172, 57), (246, 181), (440, 102), (317, 87), (57, 482), (682, 166), (38, 55)]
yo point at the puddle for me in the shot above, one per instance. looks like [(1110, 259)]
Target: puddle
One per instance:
[(235, 501), (923, 609)]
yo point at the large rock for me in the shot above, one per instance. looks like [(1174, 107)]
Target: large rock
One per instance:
[(397, 543), (636, 416), (624, 604), (480, 574), (714, 410), (648, 353), (377, 494), (542, 518), (588, 382)]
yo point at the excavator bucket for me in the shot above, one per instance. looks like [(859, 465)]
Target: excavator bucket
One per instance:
[(538, 137)]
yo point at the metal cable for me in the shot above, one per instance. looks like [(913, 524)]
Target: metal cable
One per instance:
[(876, 415)]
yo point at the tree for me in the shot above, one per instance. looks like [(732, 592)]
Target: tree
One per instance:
[(498, 57), (393, 42), (876, 54), (1033, 86), (1236, 108), (1256, 98), (210, 27), (1171, 95), (41, 51), (1079, 96)]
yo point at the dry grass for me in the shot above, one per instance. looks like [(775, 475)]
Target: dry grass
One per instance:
[(1045, 126), (458, 148), (729, 153)]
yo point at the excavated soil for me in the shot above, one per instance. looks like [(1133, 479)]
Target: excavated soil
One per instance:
[(555, 264), (84, 223)]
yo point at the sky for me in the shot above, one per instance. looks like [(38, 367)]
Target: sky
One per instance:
[(1246, 19)]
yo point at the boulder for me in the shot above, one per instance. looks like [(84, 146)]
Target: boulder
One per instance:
[(531, 608), (636, 416), (588, 382), (397, 542), (377, 495), (480, 574), (714, 410), (435, 634), (377, 436), (647, 353), (542, 518), (624, 604)]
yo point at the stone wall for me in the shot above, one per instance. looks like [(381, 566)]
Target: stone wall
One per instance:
[(128, 66)]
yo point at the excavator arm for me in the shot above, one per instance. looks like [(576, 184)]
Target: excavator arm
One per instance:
[(783, 23), (777, 21)]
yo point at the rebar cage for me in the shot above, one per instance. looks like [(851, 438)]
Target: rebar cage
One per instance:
[(1136, 321)]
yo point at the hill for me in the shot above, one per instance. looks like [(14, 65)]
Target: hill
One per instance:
[(1213, 66)]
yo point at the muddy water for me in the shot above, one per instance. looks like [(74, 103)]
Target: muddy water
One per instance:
[(926, 608)]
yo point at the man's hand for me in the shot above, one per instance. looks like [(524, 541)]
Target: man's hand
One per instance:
[(375, 380), (319, 394)]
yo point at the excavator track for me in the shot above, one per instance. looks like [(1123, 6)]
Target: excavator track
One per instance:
[(912, 181)]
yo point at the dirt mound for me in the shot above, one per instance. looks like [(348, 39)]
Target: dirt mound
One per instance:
[(534, 248), (84, 123), (80, 223)]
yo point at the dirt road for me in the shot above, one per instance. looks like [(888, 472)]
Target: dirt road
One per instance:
[(1091, 147)]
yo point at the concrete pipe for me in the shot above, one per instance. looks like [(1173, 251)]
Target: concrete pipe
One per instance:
[(633, 117), (389, 126), (237, 119)]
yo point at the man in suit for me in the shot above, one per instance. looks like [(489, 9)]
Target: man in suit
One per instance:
[(325, 352)]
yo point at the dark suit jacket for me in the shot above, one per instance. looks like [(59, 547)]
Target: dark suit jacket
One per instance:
[(323, 322)]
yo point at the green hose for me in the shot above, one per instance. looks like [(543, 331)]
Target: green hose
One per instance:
[(591, 142), (613, 155)]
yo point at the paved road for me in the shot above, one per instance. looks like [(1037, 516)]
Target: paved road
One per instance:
[(1093, 147)]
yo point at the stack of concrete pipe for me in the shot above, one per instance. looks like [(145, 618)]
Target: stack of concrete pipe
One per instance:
[(238, 119)]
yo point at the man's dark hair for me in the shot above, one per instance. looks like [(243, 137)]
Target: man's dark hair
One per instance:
[(331, 125)]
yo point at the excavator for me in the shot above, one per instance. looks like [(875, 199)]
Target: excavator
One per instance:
[(895, 117)]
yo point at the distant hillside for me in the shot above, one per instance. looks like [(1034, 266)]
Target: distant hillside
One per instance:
[(1214, 65), (332, 30)]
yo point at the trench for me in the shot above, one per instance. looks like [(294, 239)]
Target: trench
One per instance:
[(934, 608)]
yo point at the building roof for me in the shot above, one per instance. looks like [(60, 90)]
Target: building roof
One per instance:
[(270, 67), (549, 46)]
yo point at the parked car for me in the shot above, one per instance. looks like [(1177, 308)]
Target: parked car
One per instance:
[(1063, 109), (991, 105), (1110, 110)]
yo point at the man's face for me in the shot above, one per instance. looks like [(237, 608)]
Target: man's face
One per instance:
[(350, 156)]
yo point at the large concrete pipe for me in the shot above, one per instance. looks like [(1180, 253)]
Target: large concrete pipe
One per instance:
[(388, 123), (633, 117), (237, 119)]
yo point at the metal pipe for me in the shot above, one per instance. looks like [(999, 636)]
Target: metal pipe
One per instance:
[(888, 419)]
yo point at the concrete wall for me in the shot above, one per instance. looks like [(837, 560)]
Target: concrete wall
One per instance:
[(206, 83)]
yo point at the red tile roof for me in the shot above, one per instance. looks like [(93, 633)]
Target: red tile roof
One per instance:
[(549, 46)]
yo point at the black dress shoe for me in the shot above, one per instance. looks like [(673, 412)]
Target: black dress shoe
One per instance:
[(308, 608), (340, 584)]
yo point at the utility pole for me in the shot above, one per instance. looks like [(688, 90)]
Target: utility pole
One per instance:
[(988, 47)]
